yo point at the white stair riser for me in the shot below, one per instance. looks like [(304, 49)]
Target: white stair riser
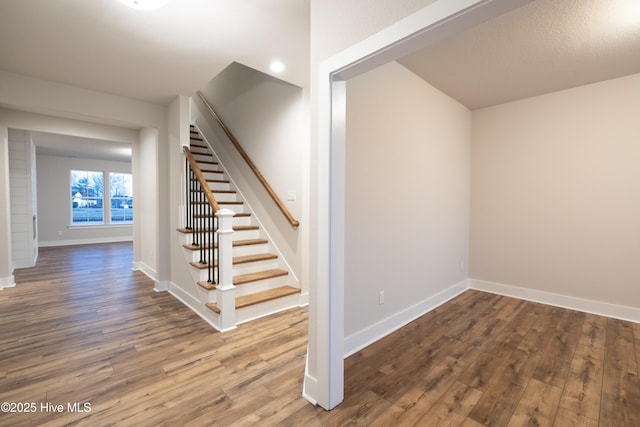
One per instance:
[(250, 249), (234, 208), (194, 255), (205, 295), (246, 234), (213, 175), (187, 239), (260, 285), (260, 310), (206, 162), (199, 153), (219, 186), (242, 221), (251, 267), (225, 197), (256, 266)]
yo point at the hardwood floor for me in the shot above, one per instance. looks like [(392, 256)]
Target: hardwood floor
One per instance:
[(81, 327)]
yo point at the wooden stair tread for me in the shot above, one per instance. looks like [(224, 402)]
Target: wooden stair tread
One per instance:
[(249, 242), (209, 286), (260, 275), (258, 297), (237, 214), (264, 296), (245, 227), (213, 307), (244, 259), (235, 228)]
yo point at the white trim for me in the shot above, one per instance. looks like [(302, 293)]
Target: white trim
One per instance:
[(194, 305), (98, 226), (310, 383), (615, 311), (162, 286), (92, 241), (7, 282), (373, 333), (150, 272)]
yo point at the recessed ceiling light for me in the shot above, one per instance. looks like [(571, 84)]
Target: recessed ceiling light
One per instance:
[(277, 67), (145, 4)]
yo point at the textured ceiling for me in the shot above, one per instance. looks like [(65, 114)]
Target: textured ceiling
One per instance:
[(542, 47)]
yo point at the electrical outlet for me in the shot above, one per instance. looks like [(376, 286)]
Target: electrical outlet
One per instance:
[(291, 195), (381, 297)]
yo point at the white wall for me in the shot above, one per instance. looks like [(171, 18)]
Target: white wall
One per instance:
[(266, 115), (54, 208), (556, 194), (407, 200)]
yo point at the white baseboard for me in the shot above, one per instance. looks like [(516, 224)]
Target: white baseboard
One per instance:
[(92, 241), (7, 282), (150, 272), (161, 286), (309, 386), (573, 303), (194, 304), (373, 333)]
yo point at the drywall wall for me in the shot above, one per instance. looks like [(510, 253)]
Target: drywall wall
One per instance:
[(54, 204), (556, 193), (266, 116), (406, 199)]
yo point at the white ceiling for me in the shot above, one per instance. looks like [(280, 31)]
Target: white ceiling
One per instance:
[(151, 55), (103, 45), (542, 47)]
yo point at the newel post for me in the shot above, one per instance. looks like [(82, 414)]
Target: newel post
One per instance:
[(226, 291)]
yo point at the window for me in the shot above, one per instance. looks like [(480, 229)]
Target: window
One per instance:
[(121, 192), (87, 190), (89, 193)]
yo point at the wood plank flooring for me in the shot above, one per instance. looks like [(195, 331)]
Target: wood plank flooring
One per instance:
[(81, 327)]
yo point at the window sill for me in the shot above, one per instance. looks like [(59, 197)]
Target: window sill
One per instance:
[(85, 227)]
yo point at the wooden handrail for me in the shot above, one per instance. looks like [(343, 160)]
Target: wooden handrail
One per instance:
[(203, 181), (294, 223)]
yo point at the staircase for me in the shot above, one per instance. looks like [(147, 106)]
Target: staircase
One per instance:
[(262, 283)]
